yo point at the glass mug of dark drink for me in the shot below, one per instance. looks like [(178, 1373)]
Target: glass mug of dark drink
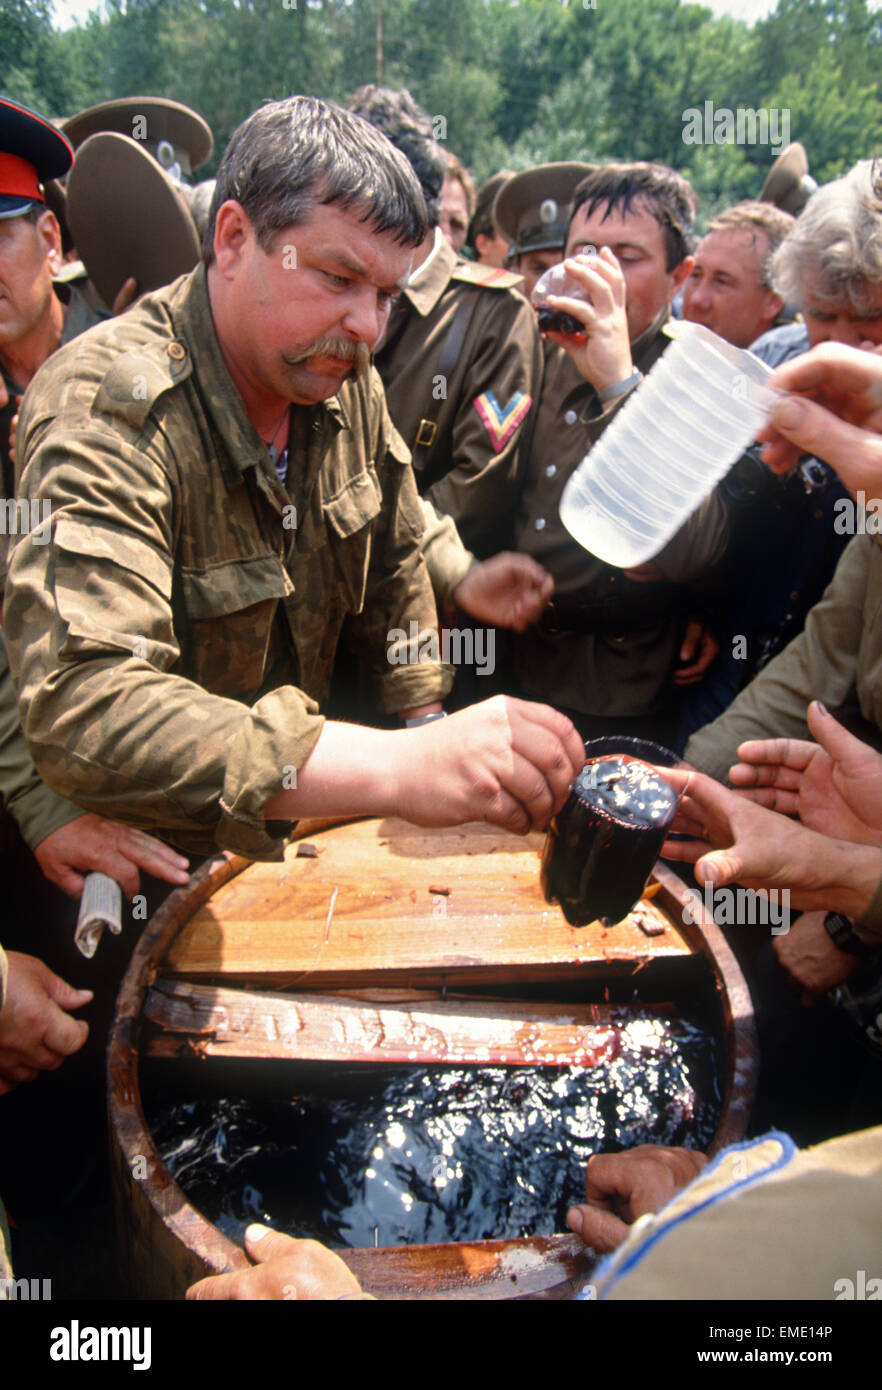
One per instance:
[(602, 845), (558, 281)]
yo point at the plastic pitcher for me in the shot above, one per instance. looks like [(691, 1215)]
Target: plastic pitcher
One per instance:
[(673, 440)]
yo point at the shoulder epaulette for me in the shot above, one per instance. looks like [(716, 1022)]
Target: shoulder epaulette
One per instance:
[(488, 275), (136, 379)]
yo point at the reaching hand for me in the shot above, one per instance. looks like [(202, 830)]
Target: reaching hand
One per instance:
[(91, 842), (508, 590), (286, 1269), (835, 413), (759, 848), (619, 1188), (700, 648), (834, 785), (36, 1031)]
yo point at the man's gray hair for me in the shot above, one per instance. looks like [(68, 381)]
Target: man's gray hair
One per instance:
[(834, 253), (291, 155)]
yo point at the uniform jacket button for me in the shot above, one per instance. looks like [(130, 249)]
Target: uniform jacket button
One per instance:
[(177, 351)]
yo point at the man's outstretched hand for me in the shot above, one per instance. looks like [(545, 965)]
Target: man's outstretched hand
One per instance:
[(93, 843), (736, 841), (509, 591), (286, 1269), (834, 785)]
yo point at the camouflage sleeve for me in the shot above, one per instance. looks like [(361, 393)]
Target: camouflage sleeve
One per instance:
[(399, 603), (504, 378), (91, 637), (819, 664), (36, 809), (446, 557)]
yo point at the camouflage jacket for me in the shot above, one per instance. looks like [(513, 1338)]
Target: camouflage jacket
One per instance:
[(173, 642), (37, 811)]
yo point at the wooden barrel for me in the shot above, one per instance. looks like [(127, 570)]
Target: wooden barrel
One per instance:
[(370, 943)]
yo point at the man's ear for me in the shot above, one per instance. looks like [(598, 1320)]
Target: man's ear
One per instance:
[(772, 306), (232, 233), (49, 233), (680, 274)]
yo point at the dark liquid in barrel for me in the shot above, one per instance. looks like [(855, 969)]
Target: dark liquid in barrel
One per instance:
[(552, 320), (601, 847), (369, 1155)]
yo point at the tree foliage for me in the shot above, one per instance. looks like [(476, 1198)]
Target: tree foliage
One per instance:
[(517, 81)]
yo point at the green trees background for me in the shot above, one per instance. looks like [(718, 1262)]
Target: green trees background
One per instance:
[(517, 81)]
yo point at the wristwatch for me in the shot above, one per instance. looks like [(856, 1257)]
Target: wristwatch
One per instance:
[(842, 933), (419, 719), (619, 388)]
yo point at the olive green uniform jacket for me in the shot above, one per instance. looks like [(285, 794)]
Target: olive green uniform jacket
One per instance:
[(476, 415), (173, 642), (617, 639), (838, 654), (36, 809)]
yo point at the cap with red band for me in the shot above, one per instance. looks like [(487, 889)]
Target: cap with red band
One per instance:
[(32, 151)]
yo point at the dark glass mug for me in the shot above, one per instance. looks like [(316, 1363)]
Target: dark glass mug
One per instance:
[(597, 854)]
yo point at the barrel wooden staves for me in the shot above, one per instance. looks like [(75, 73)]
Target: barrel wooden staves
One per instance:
[(378, 942)]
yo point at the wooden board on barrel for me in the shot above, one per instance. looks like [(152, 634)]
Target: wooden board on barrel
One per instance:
[(376, 945)]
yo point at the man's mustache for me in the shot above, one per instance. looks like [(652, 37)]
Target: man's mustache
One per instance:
[(343, 348)]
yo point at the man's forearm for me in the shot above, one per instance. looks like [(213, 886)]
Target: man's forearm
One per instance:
[(352, 770)]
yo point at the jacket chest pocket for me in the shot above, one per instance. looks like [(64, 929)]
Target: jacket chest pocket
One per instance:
[(231, 608), (349, 520)]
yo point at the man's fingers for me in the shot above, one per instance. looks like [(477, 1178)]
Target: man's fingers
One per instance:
[(116, 864), (787, 752), (571, 745), (830, 366), (844, 748), (154, 857), (65, 878), (14, 1073), (217, 1286), (778, 775), (64, 1035), (815, 430), (65, 995), (264, 1244), (691, 639), (720, 867), (772, 798), (507, 812), (600, 1229)]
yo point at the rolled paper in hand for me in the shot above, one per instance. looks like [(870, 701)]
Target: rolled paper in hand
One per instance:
[(100, 907)]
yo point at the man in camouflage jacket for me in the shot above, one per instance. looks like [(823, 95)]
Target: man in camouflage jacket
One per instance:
[(224, 491)]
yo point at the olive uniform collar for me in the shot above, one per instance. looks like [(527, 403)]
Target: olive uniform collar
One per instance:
[(424, 295), (642, 342)]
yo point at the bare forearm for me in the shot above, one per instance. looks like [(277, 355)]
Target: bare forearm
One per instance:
[(351, 771), (853, 873)]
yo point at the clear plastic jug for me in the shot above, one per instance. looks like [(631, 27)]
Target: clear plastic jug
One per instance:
[(673, 440)]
